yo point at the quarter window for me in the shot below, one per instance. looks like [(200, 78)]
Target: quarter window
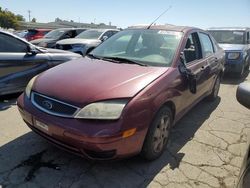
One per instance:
[(206, 44), (11, 44)]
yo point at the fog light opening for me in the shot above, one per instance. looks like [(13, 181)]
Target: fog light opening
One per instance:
[(128, 133)]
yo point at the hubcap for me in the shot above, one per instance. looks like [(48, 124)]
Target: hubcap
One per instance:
[(161, 134)]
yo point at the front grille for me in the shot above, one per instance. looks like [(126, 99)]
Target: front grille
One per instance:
[(53, 106)]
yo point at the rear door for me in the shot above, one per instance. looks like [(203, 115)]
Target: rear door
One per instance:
[(212, 60), (196, 63), (17, 66)]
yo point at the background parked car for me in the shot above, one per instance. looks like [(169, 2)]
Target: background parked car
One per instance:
[(33, 34), (21, 33), (50, 39), (243, 96), (20, 61), (86, 41), (236, 43), (118, 102)]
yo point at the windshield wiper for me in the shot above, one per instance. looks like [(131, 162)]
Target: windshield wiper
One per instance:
[(123, 60), (93, 56)]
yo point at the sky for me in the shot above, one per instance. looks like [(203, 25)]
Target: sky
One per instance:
[(198, 13)]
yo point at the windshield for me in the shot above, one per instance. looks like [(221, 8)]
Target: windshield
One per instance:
[(228, 37), (150, 47), (89, 34), (55, 34)]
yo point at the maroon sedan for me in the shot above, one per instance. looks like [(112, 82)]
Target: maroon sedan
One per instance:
[(125, 96)]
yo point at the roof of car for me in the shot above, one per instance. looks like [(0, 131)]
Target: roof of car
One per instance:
[(228, 28), (103, 30), (67, 29), (15, 36), (39, 29), (168, 27)]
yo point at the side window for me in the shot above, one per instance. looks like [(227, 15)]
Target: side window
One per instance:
[(69, 34), (215, 45), (11, 44), (206, 44), (192, 50), (108, 34)]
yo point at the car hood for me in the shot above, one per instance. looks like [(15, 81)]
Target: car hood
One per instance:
[(79, 41), (85, 80), (233, 47), (37, 41)]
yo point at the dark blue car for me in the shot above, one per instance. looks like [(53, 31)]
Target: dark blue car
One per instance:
[(236, 43)]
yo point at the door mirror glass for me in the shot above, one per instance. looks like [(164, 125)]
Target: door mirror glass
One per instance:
[(243, 94), (31, 50)]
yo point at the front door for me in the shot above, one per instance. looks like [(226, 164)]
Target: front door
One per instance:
[(17, 66)]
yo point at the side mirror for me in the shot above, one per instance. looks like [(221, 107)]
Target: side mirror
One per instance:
[(104, 38), (31, 50), (187, 73), (243, 94)]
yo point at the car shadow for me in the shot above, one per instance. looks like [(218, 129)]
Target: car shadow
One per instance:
[(52, 167), (6, 101), (229, 79)]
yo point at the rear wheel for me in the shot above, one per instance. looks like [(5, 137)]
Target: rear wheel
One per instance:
[(158, 134), (216, 89)]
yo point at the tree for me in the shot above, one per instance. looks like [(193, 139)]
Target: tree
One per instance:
[(8, 19), (33, 20), (20, 18), (58, 20)]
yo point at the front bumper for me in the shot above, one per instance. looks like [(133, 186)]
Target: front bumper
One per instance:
[(90, 139)]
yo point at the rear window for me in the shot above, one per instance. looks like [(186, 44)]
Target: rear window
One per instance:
[(228, 36)]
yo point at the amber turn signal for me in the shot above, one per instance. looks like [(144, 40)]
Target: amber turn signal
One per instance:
[(128, 133)]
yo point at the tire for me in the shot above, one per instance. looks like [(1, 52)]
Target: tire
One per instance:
[(248, 64), (158, 134), (216, 88)]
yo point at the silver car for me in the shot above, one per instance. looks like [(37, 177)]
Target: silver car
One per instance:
[(86, 41)]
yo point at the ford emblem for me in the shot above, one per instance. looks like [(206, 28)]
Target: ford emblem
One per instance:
[(47, 104)]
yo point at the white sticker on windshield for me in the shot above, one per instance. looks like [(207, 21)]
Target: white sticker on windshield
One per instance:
[(238, 33), (176, 34)]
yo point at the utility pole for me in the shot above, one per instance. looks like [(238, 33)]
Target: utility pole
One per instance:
[(29, 11)]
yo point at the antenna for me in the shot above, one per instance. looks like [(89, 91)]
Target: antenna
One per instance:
[(159, 16)]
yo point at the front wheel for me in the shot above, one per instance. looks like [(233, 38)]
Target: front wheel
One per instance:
[(158, 134), (215, 90)]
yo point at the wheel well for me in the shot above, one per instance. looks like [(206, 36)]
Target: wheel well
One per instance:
[(171, 105)]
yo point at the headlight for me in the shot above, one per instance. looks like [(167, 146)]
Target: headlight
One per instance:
[(29, 87), (233, 55), (106, 110)]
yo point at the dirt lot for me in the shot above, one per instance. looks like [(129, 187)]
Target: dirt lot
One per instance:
[(205, 150)]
